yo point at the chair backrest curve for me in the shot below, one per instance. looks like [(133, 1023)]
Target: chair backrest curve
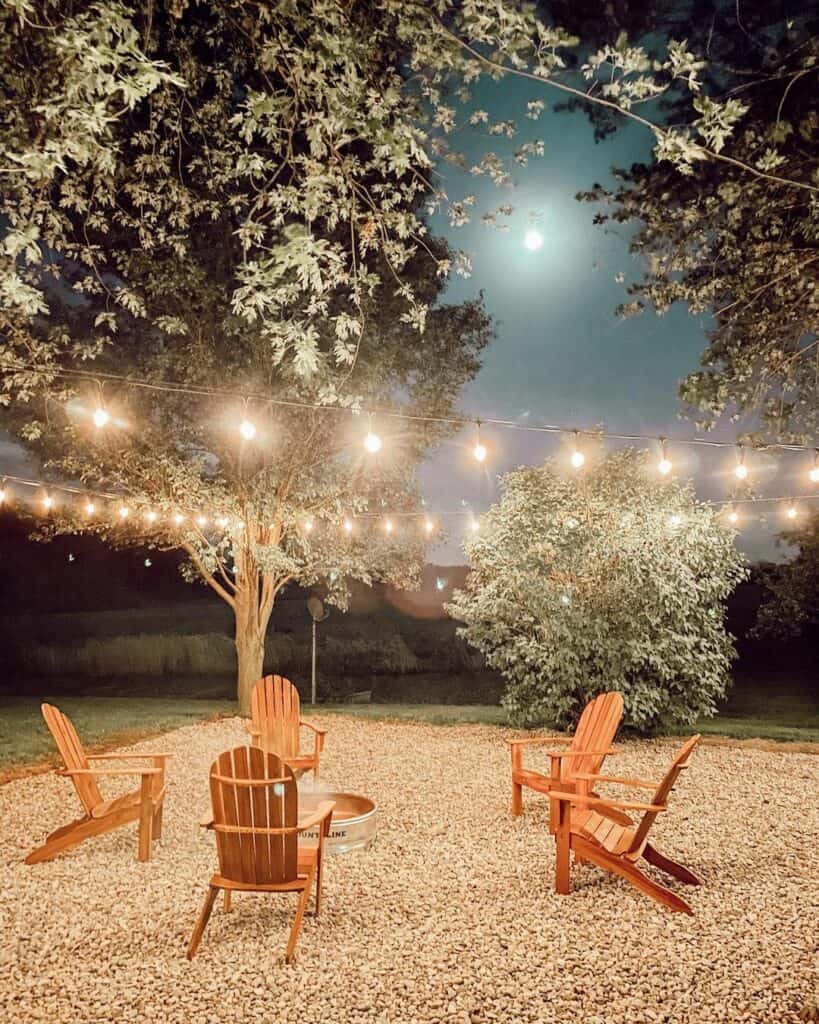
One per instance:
[(596, 730), (251, 791), (275, 709), (663, 791), (71, 750)]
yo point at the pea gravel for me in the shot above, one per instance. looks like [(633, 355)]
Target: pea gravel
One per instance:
[(448, 916)]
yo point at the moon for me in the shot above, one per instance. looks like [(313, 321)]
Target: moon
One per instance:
[(533, 240)]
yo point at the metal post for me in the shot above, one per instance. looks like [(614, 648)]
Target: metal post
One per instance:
[(313, 686)]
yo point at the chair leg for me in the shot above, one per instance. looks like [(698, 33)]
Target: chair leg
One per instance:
[(297, 920), (65, 838), (201, 924), (628, 870), (226, 900), (146, 818), (670, 867), (517, 798), (563, 868), (156, 828)]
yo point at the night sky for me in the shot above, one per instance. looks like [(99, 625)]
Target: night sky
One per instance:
[(562, 356)]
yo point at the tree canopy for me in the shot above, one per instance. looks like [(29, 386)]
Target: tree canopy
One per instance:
[(606, 579), (736, 248), (790, 605)]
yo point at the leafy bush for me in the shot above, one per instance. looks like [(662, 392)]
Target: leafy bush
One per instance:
[(613, 579)]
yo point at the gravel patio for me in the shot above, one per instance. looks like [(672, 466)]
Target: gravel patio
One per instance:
[(448, 916)]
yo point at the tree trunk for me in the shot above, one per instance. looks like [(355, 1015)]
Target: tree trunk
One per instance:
[(250, 635)]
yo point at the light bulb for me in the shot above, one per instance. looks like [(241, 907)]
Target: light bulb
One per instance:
[(89, 508), (48, 502), (429, 526), (675, 520), (792, 512), (388, 525), (664, 466), (814, 475), (578, 458), (179, 519), (308, 525), (201, 521), (479, 451), (348, 526), (372, 442), (733, 517), (474, 525), (151, 516), (741, 471), (2, 495), (101, 417), (247, 429), (124, 513), (221, 522)]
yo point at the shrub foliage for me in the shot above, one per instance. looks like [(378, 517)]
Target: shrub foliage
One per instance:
[(613, 578)]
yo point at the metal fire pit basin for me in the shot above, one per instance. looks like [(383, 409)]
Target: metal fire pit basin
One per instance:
[(353, 824)]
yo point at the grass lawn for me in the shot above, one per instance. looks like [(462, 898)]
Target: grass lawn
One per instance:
[(103, 722)]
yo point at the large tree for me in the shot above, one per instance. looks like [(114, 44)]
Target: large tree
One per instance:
[(610, 578), (253, 513)]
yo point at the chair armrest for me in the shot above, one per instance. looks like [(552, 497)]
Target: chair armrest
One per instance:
[(538, 741), (324, 810), (315, 728), (124, 757), (636, 783), (110, 771), (591, 801), (206, 821)]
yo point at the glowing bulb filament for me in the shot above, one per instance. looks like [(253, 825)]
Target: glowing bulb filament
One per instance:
[(201, 521), (124, 513), (741, 471), (373, 443), (388, 525), (479, 452), (247, 429), (89, 508), (48, 502), (664, 466), (308, 525), (578, 458), (348, 526), (791, 512), (101, 418), (151, 516), (474, 525), (429, 526)]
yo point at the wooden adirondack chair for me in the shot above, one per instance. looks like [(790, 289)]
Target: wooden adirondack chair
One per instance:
[(585, 827), (143, 804), (275, 722), (588, 747), (255, 809)]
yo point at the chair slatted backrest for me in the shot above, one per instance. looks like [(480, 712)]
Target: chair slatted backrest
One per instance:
[(275, 709), (252, 790), (596, 730), (663, 791), (73, 755)]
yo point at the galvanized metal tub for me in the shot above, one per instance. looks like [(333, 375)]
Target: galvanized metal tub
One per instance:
[(353, 825)]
